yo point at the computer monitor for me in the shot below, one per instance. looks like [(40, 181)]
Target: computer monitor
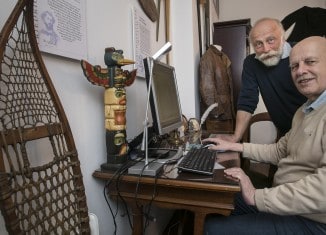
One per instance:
[(164, 96)]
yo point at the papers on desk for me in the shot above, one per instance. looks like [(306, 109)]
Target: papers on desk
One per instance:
[(218, 166)]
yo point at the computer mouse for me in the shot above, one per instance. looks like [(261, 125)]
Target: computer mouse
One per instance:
[(208, 144)]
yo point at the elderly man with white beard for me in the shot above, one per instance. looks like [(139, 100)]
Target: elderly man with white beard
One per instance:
[(267, 71)]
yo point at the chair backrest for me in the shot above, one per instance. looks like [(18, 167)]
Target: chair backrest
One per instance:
[(262, 168), (41, 185), (255, 119)]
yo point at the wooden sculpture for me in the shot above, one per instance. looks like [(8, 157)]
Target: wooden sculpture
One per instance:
[(114, 79)]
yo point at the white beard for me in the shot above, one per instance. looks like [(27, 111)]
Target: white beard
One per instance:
[(271, 58), (272, 61)]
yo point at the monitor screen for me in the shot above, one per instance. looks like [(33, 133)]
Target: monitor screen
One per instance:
[(164, 97)]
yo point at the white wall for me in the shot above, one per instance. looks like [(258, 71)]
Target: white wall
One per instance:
[(109, 24), (185, 53)]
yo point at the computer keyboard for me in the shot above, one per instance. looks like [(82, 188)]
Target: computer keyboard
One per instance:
[(200, 161)]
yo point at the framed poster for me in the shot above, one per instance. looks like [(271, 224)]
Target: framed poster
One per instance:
[(61, 27), (143, 34)]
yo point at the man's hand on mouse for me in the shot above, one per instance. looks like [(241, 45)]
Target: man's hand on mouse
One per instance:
[(222, 145)]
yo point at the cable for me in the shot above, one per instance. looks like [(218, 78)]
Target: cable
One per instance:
[(122, 199), (146, 214), (118, 172), (107, 202), (117, 178)]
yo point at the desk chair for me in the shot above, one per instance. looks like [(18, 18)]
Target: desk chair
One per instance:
[(261, 174), (41, 185)]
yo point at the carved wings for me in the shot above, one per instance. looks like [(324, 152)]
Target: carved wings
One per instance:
[(101, 76)]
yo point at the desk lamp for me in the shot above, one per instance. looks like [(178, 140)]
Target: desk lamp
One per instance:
[(146, 168)]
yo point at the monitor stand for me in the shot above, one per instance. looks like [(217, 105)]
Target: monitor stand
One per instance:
[(152, 169), (156, 165)]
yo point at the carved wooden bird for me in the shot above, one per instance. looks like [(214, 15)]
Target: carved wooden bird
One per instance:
[(113, 75)]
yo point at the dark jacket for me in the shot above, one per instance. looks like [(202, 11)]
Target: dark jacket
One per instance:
[(309, 21), (215, 84)]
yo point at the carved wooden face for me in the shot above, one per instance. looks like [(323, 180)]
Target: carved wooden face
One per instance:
[(115, 108), (115, 96), (116, 142)]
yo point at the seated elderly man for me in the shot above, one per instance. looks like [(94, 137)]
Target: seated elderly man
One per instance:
[(296, 204)]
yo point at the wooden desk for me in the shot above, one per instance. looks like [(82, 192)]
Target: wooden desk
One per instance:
[(200, 194)]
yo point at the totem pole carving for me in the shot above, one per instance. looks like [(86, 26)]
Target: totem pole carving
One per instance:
[(114, 79)]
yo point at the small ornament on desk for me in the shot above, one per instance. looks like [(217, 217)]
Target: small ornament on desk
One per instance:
[(193, 125), (184, 128), (175, 140), (114, 80)]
